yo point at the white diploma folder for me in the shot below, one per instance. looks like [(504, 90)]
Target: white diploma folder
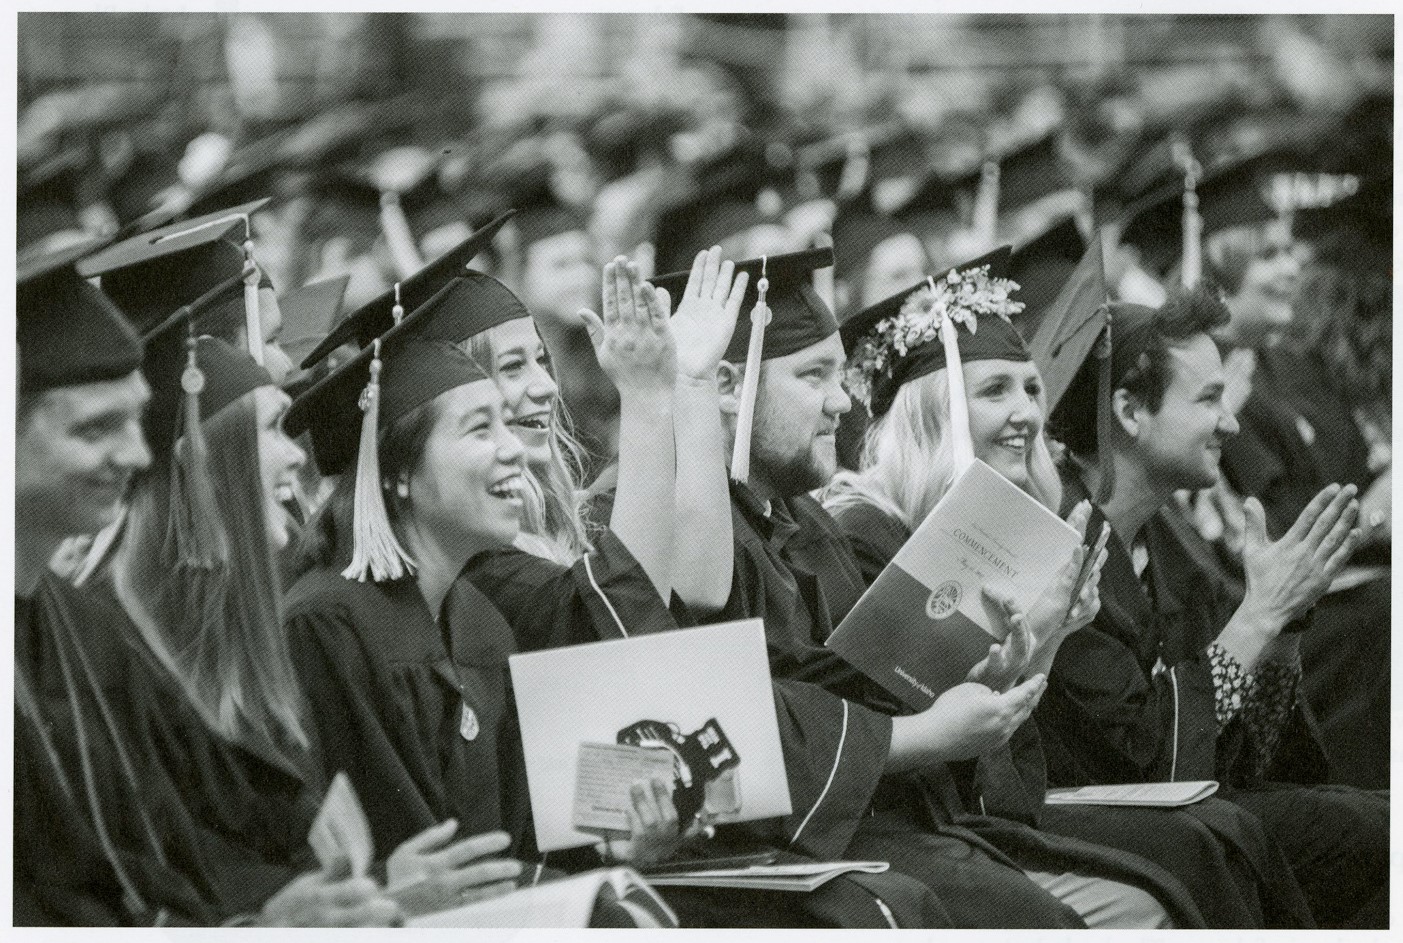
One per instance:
[(680, 686)]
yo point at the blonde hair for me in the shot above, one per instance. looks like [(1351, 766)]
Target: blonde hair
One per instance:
[(908, 462), (553, 523)]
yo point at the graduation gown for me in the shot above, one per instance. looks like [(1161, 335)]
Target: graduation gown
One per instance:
[(1217, 850), (1297, 436), (795, 569), (106, 830), (606, 595), (1131, 699)]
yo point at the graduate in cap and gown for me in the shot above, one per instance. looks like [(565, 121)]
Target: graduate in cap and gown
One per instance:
[(793, 568), (914, 452), (152, 274), (127, 839), (405, 659), (1178, 678), (1296, 435)]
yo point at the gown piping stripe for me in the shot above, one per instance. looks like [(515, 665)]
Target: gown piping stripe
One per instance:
[(837, 759), (1174, 757), (589, 570)]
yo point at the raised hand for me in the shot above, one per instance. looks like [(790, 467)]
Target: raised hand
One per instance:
[(1286, 577), (331, 898), (633, 340), (431, 872), (706, 315)]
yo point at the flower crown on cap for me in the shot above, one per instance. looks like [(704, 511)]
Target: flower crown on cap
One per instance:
[(963, 296)]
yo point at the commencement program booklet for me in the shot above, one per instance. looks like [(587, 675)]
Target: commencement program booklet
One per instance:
[(924, 623)]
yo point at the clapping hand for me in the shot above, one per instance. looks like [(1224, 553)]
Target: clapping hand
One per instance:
[(431, 872), (706, 315), (1286, 577), (633, 340), (654, 835), (331, 898)]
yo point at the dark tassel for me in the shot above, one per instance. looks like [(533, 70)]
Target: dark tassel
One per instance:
[(1106, 426), (194, 537)]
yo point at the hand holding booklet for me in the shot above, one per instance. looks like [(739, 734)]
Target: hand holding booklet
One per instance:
[(924, 623)]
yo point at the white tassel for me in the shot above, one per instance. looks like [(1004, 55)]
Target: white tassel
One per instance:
[(960, 440), (1191, 270), (985, 219), (253, 324), (750, 385), (375, 550)]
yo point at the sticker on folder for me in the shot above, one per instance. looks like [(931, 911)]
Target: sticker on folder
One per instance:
[(925, 622)]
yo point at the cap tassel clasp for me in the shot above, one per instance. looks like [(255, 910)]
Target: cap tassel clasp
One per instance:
[(376, 552), (750, 384)]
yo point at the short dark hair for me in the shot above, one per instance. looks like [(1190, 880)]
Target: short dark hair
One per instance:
[(1144, 371)]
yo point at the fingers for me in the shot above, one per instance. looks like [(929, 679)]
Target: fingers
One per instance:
[(1100, 549), (1254, 530), (658, 304), (667, 810), (381, 912), (483, 874), (1080, 517), (1001, 597), (431, 837), (1340, 557), (1308, 517), (697, 277), (711, 267), (722, 289), (1332, 541), (594, 325), (1328, 518), (609, 293), (470, 849), (737, 295), (488, 892), (644, 806)]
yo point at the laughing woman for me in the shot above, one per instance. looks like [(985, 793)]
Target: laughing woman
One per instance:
[(910, 460), (405, 661)]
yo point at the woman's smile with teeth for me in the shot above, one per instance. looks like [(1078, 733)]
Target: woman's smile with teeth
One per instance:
[(536, 422), (508, 489)]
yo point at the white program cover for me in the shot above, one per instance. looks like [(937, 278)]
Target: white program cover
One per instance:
[(703, 693)]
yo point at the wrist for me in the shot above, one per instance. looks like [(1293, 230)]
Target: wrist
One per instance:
[(652, 402), (1262, 621), (688, 381)]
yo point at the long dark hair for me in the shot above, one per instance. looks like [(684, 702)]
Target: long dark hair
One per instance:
[(218, 629)]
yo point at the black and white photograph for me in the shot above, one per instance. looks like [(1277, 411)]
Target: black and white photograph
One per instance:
[(737, 469)]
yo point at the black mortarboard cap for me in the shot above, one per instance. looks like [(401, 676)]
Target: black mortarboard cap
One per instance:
[(1229, 195), (1032, 172), (67, 332), (995, 338), (308, 314), (1042, 265), (941, 195), (374, 318), (420, 358), (799, 317), (540, 213), (49, 197), (858, 228), (723, 202), (151, 275)]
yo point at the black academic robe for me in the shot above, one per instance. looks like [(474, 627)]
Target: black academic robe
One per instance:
[(794, 568), (1297, 435), (606, 595), (107, 830), (1131, 699), (1215, 848)]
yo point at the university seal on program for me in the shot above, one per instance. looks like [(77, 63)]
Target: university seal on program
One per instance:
[(944, 600)]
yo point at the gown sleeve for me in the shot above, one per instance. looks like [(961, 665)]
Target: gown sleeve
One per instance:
[(605, 594)]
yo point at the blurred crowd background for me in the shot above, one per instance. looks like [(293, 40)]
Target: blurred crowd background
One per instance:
[(619, 116)]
